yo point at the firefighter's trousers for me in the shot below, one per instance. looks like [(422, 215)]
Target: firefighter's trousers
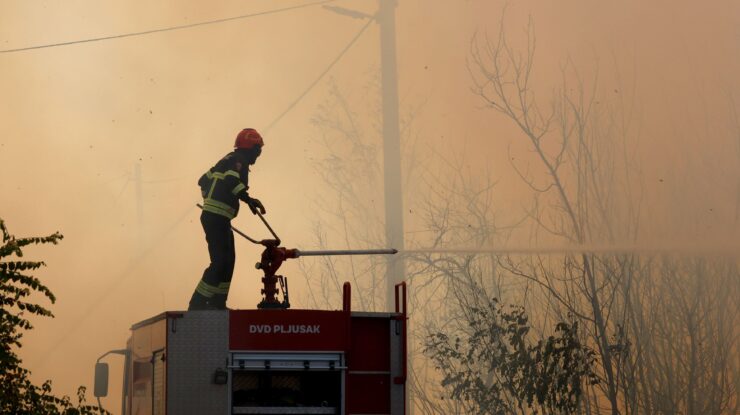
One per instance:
[(213, 288)]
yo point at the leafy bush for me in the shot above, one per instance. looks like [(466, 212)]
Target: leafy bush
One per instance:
[(18, 395), (495, 369)]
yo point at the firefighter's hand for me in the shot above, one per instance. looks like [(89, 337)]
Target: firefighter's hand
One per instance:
[(255, 205)]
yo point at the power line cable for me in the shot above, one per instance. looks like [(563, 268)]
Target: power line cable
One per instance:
[(321, 76), (167, 29), (125, 185)]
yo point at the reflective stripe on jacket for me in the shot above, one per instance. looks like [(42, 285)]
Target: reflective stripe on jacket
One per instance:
[(224, 184)]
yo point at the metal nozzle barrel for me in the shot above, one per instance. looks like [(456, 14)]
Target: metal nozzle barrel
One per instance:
[(300, 253)]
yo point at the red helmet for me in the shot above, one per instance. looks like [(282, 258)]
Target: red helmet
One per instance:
[(248, 138)]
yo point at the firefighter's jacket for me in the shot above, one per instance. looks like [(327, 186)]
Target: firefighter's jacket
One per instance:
[(224, 185)]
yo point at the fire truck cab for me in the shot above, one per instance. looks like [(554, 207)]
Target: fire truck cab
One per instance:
[(266, 361)]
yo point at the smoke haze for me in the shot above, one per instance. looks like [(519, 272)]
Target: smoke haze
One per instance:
[(104, 141)]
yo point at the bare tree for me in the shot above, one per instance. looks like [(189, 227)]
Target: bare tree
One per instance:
[(571, 140), (587, 194), (684, 318), (450, 206), (662, 326)]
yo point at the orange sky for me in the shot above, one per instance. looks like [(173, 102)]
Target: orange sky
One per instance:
[(75, 120)]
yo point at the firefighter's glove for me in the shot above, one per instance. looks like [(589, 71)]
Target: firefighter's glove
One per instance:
[(255, 205)]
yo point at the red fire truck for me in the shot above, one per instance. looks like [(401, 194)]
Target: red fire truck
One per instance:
[(269, 360)]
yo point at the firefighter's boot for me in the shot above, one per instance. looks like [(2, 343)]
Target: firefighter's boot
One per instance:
[(218, 302)]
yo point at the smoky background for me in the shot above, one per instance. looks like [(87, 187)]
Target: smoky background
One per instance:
[(104, 141)]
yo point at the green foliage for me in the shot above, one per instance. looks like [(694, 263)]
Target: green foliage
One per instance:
[(495, 369), (18, 395)]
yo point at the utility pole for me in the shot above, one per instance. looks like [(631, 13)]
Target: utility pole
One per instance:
[(396, 269), (386, 18)]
